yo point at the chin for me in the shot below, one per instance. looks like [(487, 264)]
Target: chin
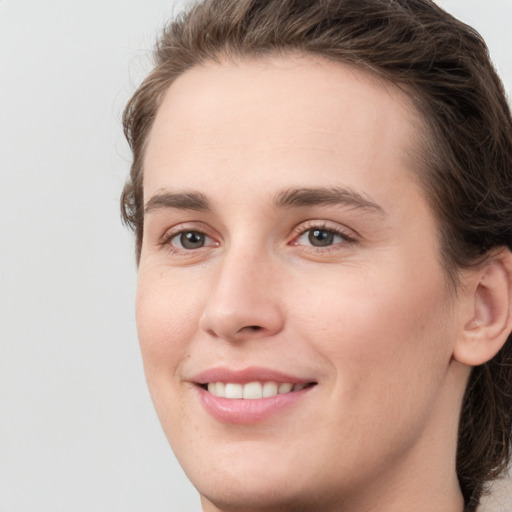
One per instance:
[(267, 496), (252, 480)]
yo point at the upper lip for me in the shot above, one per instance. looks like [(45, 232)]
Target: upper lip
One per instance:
[(245, 375)]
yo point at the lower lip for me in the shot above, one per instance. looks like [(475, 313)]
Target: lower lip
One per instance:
[(240, 411)]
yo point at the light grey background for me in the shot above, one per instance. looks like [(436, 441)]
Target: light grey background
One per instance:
[(77, 429)]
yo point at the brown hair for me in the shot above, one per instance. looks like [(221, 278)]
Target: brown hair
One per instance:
[(466, 173)]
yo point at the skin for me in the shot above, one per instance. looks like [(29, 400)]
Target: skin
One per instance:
[(371, 318)]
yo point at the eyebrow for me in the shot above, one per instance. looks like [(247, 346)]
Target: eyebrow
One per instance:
[(289, 198), (181, 201), (300, 197)]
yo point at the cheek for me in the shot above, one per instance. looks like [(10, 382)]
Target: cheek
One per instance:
[(167, 319), (388, 347), (383, 336)]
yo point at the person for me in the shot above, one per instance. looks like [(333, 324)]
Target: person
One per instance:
[(320, 194)]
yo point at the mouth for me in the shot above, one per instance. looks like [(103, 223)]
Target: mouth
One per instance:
[(251, 395), (253, 390)]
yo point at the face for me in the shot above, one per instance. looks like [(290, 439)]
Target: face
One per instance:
[(295, 322)]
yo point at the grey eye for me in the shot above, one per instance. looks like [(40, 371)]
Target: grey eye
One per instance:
[(189, 240), (321, 237)]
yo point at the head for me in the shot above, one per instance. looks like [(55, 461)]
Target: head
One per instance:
[(424, 73)]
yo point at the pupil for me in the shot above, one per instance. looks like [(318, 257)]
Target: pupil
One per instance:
[(321, 238), (192, 240)]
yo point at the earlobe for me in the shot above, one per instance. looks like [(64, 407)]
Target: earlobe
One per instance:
[(489, 322)]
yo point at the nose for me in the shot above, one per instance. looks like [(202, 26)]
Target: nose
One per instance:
[(244, 300)]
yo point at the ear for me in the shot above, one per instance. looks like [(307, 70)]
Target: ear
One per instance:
[(488, 315)]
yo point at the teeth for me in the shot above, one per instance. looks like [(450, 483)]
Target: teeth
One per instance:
[(252, 390), (234, 390), (269, 389), (220, 389), (285, 387), (217, 388)]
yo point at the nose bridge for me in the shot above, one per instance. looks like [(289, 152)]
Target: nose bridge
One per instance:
[(244, 300)]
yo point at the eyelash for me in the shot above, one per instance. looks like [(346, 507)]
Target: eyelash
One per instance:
[(302, 230), (170, 235), (299, 232)]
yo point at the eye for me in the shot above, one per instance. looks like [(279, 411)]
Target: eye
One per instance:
[(319, 237), (189, 240)]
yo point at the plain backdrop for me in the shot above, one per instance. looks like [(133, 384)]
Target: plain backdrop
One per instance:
[(77, 428)]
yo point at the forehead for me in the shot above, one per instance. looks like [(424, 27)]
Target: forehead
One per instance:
[(293, 117)]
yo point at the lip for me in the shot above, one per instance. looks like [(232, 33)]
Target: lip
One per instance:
[(245, 412), (246, 375)]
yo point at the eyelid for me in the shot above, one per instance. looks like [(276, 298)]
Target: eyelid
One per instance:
[(349, 235), (174, 231)]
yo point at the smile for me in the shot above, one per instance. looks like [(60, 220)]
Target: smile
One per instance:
[(250, 395), (253, 390)]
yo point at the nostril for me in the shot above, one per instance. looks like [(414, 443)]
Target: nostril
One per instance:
[(250, 328)]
